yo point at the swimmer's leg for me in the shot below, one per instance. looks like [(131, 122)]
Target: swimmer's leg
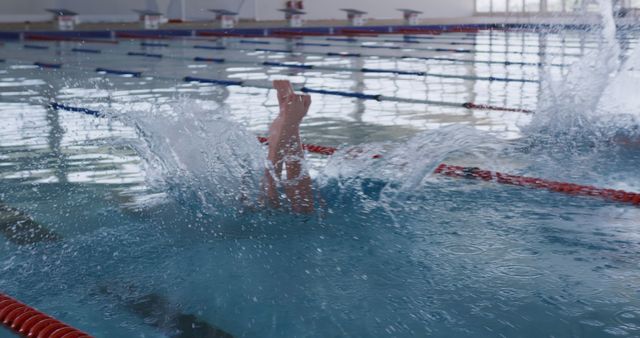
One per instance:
[(285, 149)]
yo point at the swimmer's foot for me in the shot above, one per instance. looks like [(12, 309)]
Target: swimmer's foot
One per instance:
[(293, 107), (285, 129)]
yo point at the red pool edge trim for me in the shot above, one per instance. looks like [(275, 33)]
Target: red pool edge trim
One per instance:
[(28, 322)]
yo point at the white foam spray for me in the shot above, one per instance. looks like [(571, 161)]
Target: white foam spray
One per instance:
[(593, 100)]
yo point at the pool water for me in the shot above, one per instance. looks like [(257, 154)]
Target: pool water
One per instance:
[(154, 239)]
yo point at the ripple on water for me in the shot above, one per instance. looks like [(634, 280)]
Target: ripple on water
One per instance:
[(463, 249), (629, 318), (524, 252), (511, 293), (521, 271)]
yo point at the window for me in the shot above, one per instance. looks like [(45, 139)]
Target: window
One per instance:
[(515, 6), (498, 5), (555, 5), (483, 6), (532, 5), (572, 5)]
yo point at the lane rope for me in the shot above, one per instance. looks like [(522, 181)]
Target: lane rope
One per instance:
[(29, 322), (444, 169), (356, 95), (338, 69), (538, 183)]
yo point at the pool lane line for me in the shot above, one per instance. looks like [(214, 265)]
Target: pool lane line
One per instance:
[(452, 41), (333, 69), (29, 46), (539, 183), (149, 55), (48, 65), (59, 106), (359, 55), (26, 321), (118, 72), (401, 57), (210, 47), (153, 44), (447, 50), (357, 95), (86, 50), (430, 49), (322, 68), (346, 69)]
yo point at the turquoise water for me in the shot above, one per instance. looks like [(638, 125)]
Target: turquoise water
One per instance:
[(148, 202)]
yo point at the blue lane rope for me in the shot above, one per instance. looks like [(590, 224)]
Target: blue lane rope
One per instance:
[(363, 96), (287, 65), (380, 47), (153, 44), (450, 50), (86, 50), (60, 106), (148, 55), (342, 39), (506, 63), (428, 58), (313, 44), (392, 71), (209, 47), (203, 59), (428, 49), (344, 54), (35, 47), (274, 50), (213, 81), (306, 66), (341, 93), (118, 72), (255, 42), (402, 41), (48, 65)]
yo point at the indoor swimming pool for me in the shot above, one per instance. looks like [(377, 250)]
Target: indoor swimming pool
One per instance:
[(133, 167)]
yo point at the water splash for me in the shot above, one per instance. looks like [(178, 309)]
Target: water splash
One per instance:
[(194, 153), (404, 167), (592, 102)]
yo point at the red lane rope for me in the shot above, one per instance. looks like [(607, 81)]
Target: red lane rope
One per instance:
[(312, 148), (539, 183), (29, 322), (503, 178)]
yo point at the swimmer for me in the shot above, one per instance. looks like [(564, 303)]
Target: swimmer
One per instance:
[(285, 152)]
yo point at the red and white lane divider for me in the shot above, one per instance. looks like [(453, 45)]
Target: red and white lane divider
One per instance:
[(29, 322)]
